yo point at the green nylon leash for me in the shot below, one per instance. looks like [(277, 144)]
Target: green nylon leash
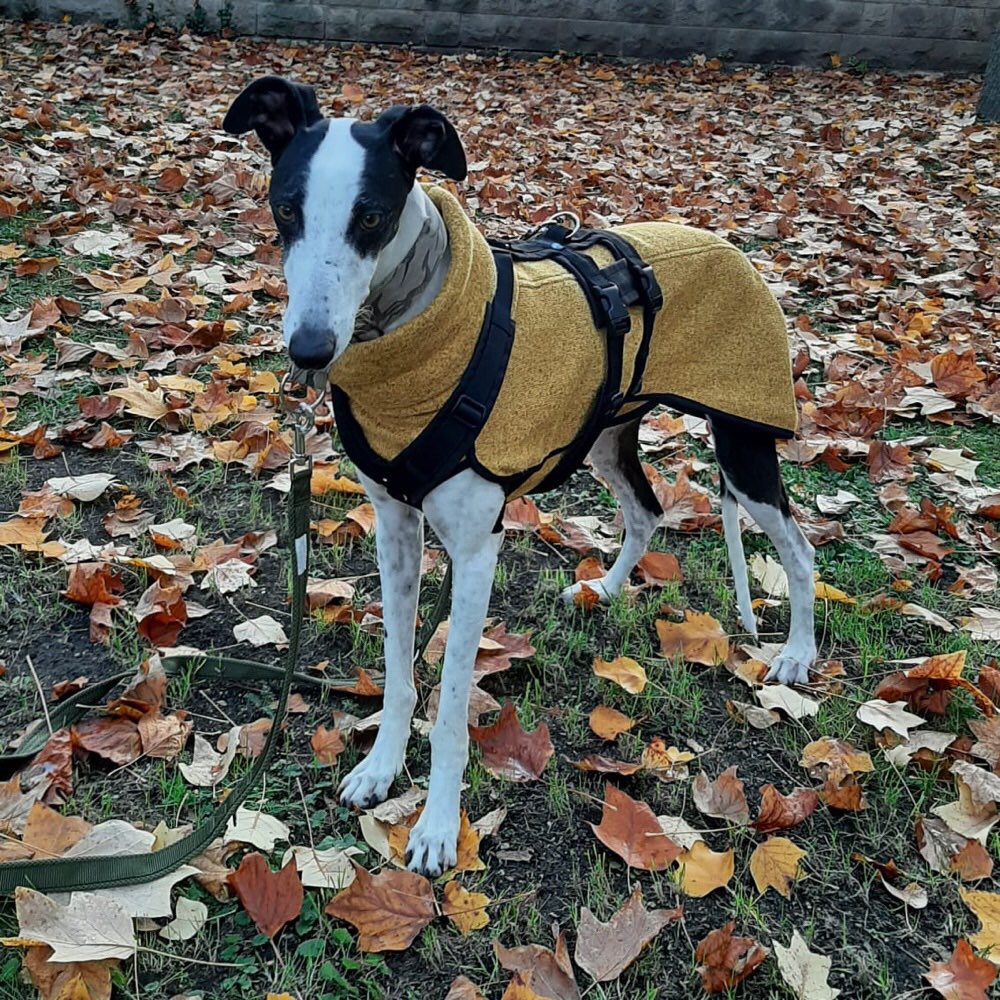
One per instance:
[(88, 873)]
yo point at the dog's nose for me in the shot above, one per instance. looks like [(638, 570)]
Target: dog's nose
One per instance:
[(310, 348)]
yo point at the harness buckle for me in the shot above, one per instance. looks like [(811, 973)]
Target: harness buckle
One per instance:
[(617, 319), (650, 288), (469, 411)]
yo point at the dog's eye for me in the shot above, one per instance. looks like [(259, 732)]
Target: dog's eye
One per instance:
[(371, 220), (285, 213)]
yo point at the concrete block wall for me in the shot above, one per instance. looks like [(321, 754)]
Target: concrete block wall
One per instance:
[(906, 34)]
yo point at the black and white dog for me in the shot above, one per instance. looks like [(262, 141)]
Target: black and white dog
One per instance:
[(361, 238)]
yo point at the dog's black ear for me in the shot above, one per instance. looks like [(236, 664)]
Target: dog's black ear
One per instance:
[(275, 108), (423, 137)]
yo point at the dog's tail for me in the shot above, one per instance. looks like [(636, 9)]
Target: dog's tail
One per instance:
[(737, 559)]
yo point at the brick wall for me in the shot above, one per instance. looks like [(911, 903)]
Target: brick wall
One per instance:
[(920, 34)]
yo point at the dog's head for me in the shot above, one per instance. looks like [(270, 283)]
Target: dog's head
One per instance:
[(339, 190)]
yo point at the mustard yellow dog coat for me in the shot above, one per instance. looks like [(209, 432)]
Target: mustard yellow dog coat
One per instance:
[(719, 345)]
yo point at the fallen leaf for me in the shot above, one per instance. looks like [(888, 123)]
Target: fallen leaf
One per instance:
[(725, 961), (271, 899), (608, 723), (964, 976), (466, 910), (630, 829), (326, 869), (511, 752), (257, 828), (463, 988), (605, 950), (775, 864), (805, 972), (723, 798), (86, 488), (698, 639), (261, 631), (658, 568), (327, 745), (548, 973), (208, 768), (703, 870), (65, 980), (49, 834), (793, 704), (87, 929), (389, 909), (888, 715), (782, 812), (624, 671), (192, 915), (986, 906)]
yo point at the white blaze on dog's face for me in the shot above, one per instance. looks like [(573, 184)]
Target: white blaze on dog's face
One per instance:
[(342, 194)]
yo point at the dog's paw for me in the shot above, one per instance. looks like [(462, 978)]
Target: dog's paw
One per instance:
[(433, 844), (791, 668), (569, 594), (369, 782)]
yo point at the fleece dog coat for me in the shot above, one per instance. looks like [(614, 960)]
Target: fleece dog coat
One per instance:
[(719, 346)]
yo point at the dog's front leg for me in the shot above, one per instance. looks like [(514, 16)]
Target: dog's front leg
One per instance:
[(464, 512), (399, 538)]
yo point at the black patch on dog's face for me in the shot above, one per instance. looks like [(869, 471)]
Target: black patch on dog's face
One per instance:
[(288, 182), (385, 185)]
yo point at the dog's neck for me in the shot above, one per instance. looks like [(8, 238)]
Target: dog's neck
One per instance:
[(410, 272)]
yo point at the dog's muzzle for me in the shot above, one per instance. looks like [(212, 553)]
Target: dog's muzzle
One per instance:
[(312, 350)]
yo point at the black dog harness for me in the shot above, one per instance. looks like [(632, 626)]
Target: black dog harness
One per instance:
[(445, 445)]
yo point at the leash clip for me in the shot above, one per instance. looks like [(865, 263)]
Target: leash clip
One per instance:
[(551, 221), (301, 414)]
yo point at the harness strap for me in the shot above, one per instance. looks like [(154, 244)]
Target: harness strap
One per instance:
[(442, 447)]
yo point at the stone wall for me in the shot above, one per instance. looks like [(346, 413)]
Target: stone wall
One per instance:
[(919, 34)]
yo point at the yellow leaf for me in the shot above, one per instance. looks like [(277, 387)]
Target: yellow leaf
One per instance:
[(986, 906), (775, 865), (609, 724), (698, 639), (703, 870), (466, 910), (825, 592), (624, 671), (141, 401)]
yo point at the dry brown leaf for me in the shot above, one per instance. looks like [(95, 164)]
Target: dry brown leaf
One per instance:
[(725, 961), (964, 976), (605, 950), (389, 909), (723, 798), (65, 980), (629, 828), (48, 833), (548, 974), (782, 812), (327, 745), (511, 752)]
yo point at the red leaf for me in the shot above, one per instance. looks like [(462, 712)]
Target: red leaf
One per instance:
[(271, 899), (510, 752), (630, 829), (724, 960)]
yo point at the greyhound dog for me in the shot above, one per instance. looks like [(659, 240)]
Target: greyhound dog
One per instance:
[(365, 250)]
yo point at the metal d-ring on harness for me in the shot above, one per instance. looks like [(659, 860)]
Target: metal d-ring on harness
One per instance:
[(88, 873), (447, 443)]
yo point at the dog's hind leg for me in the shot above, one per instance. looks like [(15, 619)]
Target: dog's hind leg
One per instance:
[(615, 456), (749, 465), (399, 545), (737, 558), (464, 511)]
